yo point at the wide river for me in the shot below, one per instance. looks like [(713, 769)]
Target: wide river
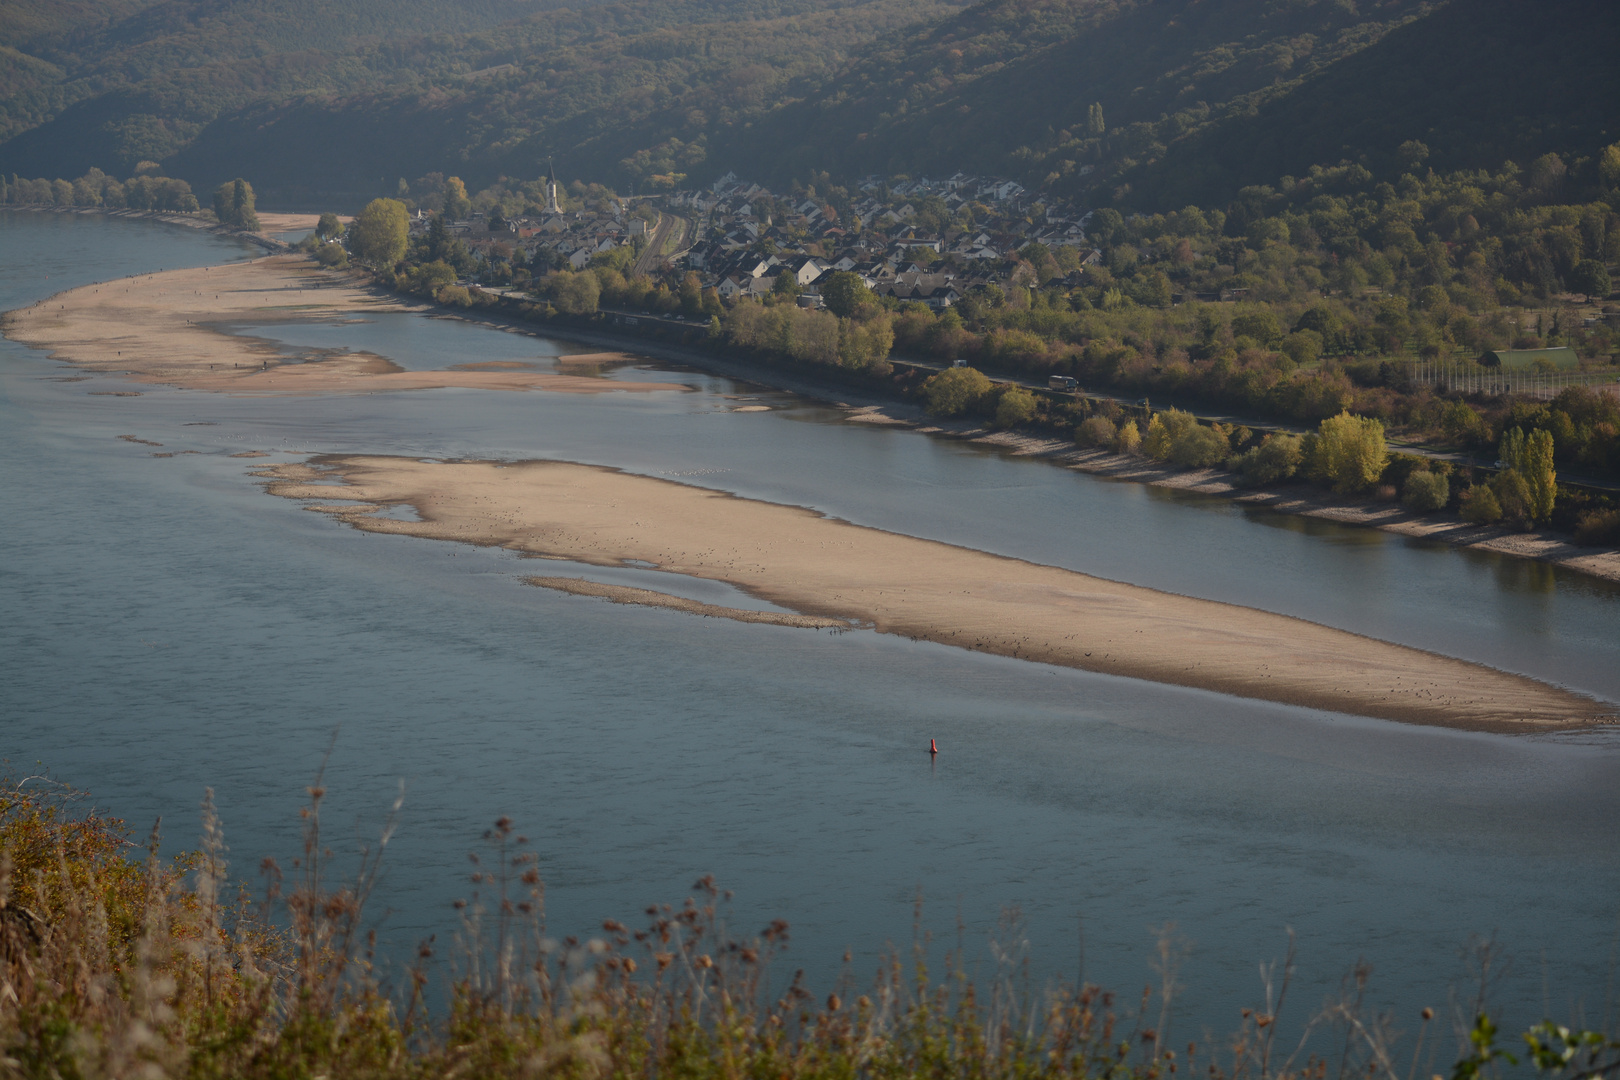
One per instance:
[(168, 626)]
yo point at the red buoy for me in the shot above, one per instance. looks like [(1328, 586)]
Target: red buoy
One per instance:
[(932, 749)]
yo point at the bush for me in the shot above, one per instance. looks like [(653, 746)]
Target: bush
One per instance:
[(1302, 346), (1095, 431), (1273, 461), (1599, 528), (1128, 440), (1480, 507), (1199, 447), (955, 391), (332, 256), (456, 295), (1163, 431), (1016, 406), (1425, 491)]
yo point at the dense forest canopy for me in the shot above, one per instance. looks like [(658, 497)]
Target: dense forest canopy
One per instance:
[(1142, 105)]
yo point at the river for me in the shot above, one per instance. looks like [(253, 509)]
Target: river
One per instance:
[(168, 626)]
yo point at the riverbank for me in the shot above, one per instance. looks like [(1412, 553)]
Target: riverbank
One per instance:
[(1300, 499), (178, 328), (923, 589)]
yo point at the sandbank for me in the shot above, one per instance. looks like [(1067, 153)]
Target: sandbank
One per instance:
[(171, 328), (805, 562)]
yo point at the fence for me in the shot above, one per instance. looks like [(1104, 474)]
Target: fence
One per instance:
[(1472, 378)]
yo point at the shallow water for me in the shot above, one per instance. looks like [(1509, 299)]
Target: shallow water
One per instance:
[(169, 626)]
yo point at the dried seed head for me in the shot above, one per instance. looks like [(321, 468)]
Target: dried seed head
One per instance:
[(833, 1003), (1428, 1013)]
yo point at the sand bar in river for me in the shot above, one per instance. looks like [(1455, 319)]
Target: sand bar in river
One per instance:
[(169, 328), (828, 569)]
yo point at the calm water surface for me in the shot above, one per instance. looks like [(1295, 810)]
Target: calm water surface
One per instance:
[(168, 626)]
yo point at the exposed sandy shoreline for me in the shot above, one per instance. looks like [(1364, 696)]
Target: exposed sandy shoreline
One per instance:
[(168, 328), (896, 584), (1299, 499)]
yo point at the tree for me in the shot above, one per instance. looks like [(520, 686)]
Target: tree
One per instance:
[(576, 294), (379, 232), (1590, 277), (456, 203), (233, 205), (1094, 120), (1350, 453), (844, 292), (1426, 491), (1274, 460), (328, 227), (1302, 346), (1261, 327), (1531, 457), (955, 390), (1016, 406), (786, 285)]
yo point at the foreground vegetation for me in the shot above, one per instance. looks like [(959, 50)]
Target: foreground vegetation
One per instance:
[(115, 963)]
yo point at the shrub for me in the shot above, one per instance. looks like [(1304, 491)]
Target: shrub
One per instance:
[(1016, 406), (1274, 460), (1163, 431), (1598, 528), (1480, 507), (1199, 447), (332, 256), (955, 390), (456, 295), (1128, 440), (1426, 491), (1095, 431), (1302, 346)]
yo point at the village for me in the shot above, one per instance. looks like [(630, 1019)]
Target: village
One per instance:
[(924, 241)]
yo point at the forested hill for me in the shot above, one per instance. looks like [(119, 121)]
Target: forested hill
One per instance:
[(1190, 100), (1143, 104), (333, 99)]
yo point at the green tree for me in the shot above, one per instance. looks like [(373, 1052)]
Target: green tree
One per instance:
[(786, 285), (1425, 491), (1590, 277), (1274, 460), (576, 294), (1261, 327), (233, 205), (1302, 346), (328, 227), (1350, 453), (1015, 406), (1094, 120), (379, 232), (844, 293), (955, 390), (1128, 439), (1531, 457)]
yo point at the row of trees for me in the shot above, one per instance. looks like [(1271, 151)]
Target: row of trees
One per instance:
[(146, 190)]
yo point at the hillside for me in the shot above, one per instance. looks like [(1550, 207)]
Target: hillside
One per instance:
[(339, 100), (1188, 100), (1144, 104)]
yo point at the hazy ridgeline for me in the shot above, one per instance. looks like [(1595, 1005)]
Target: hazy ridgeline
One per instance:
[(117, 963)]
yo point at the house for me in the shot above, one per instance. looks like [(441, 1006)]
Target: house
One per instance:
[(804, 268)]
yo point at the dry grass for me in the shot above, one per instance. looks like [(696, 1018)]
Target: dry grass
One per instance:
[(116, 963)]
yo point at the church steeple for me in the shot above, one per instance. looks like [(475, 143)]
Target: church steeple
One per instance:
[(552, 205)]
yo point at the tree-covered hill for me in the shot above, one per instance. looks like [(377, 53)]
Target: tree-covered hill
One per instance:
[(1144, 104), (1190, 100), (324, 98)]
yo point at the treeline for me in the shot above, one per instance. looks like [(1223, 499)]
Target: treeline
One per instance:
[(146, 190), (1347, 453), (116, 961)]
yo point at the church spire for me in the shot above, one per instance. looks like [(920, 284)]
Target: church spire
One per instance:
[(552, 204)]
